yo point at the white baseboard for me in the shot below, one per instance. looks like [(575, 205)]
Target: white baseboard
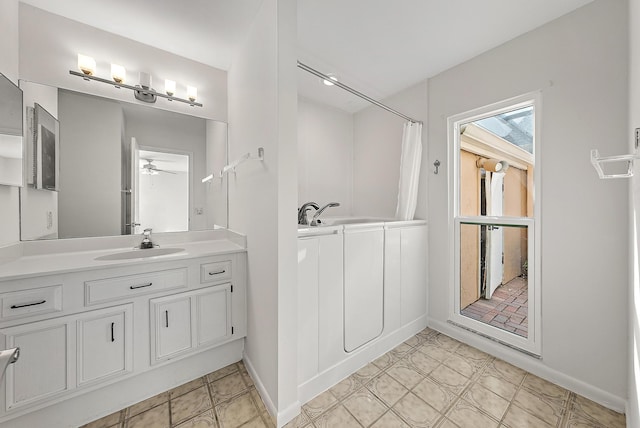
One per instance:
[(266, 398), (282, 417), (530, 364), (288, 414)]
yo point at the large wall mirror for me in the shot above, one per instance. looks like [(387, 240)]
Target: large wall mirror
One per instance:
[(11, 149), (125, 167)]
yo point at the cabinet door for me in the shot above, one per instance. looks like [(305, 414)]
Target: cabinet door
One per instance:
[(171, 327), (104, 345), (42, 370), (363, 286), (213, 315)]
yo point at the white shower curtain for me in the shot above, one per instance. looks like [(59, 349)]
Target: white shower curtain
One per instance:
[(410, 160)]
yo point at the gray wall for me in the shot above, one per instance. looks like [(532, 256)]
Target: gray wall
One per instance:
[(90, 171)]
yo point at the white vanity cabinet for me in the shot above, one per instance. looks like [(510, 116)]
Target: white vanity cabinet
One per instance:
[(60, 354), (187, 321), (91, 329)]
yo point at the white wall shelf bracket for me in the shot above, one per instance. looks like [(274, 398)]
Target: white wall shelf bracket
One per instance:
[(597, 161), (232, 166)]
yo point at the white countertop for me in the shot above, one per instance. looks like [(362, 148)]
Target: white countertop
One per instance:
[(78, 260)]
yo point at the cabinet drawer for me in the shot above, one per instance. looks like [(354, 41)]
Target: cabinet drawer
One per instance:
[(105, 290), (31, 302), (216, 271)]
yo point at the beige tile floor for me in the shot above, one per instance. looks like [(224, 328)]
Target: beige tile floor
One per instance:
[(430, 380)]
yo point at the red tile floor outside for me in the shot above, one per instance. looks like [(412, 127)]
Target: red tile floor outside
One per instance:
[(507, 308)]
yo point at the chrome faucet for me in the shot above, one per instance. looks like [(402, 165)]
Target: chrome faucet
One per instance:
[(315, 220), (146, 239), (302, 212)]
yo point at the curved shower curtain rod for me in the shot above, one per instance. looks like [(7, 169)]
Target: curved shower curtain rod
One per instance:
[(354, 92)]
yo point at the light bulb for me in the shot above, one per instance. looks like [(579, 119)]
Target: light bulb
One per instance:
[(86, 64), (118, 73), (192, 93), (170, 87)]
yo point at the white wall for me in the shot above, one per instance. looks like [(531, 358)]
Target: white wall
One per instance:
[(215, 190), (263, 197), (580, 63), (377, 149), (36, 204), (9, 200), (89, 201), (164, 201), (49, 45), (325, 157), (633, 399)]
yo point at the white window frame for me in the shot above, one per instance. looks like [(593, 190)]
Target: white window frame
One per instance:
[(532, 344)]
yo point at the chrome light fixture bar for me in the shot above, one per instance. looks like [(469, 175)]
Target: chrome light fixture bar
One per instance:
[(143, 91)]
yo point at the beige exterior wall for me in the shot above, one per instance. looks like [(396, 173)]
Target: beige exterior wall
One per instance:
[(469, 235), (518, 202)]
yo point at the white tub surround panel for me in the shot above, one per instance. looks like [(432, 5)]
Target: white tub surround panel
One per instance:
[(350, 273), (96, 336)]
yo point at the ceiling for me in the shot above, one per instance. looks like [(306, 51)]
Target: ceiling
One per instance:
[(378, 47)]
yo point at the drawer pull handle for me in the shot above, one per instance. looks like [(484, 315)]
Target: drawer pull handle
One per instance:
[(113, 339), (134, 287), (218, 272), (28, 304)]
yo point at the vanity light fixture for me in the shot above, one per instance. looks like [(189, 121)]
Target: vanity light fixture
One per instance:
[(143, 91)]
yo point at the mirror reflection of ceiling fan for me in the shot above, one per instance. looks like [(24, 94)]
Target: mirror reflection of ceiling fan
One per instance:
[(150, 169)]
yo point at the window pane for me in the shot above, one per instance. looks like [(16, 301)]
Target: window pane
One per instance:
[(497, 165), (494, 276)]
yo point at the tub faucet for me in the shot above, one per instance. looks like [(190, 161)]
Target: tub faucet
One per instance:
[(146, 239), (302, 212), (315, 220)]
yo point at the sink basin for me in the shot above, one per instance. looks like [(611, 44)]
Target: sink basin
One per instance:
[(140, 254)]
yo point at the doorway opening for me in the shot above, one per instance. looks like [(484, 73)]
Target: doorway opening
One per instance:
[(494, 222)]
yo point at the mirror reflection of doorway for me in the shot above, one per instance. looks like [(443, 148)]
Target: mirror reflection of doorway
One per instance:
[(161, 196)]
